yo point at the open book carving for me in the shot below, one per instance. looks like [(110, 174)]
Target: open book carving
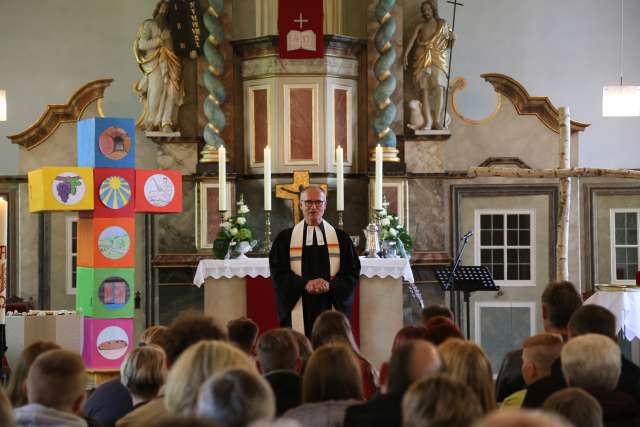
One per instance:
[(301, 40)]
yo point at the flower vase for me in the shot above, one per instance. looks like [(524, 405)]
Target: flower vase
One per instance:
[(241, 249), (390, 249)]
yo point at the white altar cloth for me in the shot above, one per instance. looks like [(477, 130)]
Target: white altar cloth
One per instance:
[(626, 307), (253, 267)]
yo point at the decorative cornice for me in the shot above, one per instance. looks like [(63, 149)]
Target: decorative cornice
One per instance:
[(526, 104), (501, 161), (334, 45), (56, 114)]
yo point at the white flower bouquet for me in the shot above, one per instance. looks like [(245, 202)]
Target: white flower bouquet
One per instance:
[(235, 236)]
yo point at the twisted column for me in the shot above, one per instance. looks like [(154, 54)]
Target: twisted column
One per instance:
[(386, 81), (213, 82)]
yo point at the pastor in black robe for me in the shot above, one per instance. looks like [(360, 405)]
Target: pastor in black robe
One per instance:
[(289, 287)]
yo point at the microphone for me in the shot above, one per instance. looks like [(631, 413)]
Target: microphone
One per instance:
[(467, 236)]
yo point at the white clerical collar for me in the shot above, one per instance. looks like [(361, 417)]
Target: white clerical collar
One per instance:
[(311, 230)]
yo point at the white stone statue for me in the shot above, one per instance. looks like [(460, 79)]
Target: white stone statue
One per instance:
[(160, 88), (432, 38)]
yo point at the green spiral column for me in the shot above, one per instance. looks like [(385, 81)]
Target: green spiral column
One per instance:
[(213, 82), (386, 81)]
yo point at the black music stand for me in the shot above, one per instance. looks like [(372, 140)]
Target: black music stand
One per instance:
[(467, 280)]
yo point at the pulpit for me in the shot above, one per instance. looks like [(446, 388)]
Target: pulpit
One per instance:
[(241, 287), (625, 304)]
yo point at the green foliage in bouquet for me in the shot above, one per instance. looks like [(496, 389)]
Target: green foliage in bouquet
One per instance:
[(233, 231), (393, 232)]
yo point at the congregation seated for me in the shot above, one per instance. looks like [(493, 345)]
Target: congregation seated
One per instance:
[(410, 362), (16, 388), (143, 373), (111, 400), (559, 301), (435, 310), (333, 326), (522, 418), (304, 347), (235, 398), (440, 401), (280, 364), (592, 362), (468, 363), (194, 367), (441, 328), (6, 410), (243, 333), (330, 384), (539, 352), (409, 332), (186, 330), (55, 391), (577, 406)]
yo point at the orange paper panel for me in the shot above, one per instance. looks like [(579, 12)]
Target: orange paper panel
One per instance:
[(106, 242)]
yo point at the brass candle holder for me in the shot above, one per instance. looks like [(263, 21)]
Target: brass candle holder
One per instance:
[(267, 232), (340, 219)]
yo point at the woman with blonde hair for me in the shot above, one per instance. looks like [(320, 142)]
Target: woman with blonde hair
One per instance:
[(143, 373), (330, 384), (333, 327), (467, 363), (194, 367), (15, 389)]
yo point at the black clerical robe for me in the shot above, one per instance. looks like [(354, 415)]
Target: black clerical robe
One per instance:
[(289, 287)]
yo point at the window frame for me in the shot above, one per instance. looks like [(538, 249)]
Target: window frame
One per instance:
[(612, 240), (531, 247), (69, 221)]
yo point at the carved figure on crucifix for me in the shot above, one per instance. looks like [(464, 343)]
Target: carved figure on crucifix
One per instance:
[(431, 38), (292, 191)]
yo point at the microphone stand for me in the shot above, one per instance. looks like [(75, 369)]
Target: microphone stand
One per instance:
[(451, 280)]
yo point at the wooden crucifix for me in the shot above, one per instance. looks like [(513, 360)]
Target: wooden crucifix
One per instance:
[(292, 191), (564, 173)]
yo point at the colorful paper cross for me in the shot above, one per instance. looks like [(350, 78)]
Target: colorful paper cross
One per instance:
[(107, 191)]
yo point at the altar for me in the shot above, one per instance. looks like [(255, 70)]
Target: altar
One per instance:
[(241, 287)]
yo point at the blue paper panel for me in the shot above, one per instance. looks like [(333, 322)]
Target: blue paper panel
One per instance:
[(106, 142)]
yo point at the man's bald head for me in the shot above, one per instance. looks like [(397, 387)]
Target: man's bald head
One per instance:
[(411, 362), (521, 418)]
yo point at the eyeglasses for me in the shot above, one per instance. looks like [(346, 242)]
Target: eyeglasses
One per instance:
[(316, 203)]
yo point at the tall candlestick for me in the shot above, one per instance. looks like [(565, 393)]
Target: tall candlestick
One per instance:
[(222, 178), (267, 178), (339, 179), (377, 204)]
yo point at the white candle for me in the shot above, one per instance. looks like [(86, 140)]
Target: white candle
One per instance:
[(377, 204), (339, 179), (222, 178), (267, 178)]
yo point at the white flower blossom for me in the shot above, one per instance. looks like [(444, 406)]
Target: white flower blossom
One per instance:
[(233, 243), (226, 225), (243, 209), (241, 220), (385, 222), (233, 231), (392, 231)]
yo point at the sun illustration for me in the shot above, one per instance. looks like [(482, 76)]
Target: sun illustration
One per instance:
[(115, 192)]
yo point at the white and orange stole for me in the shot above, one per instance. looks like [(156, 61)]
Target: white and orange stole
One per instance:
[(295, 258)]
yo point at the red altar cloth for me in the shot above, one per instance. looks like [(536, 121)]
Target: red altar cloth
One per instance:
[(261, 306)]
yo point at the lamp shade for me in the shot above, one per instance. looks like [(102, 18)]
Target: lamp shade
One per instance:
[(3, 106), (621, 101)]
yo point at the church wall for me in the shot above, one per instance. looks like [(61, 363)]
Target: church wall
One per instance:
[(28, 262)]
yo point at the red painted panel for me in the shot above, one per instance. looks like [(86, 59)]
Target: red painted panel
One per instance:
[(261, 123), (301, 123)]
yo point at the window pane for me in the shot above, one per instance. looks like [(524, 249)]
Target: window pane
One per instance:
[(523, 222), (485, 256), (485, 238), (512, 237), (632, 237), (620, 220), (498, 256), (512, 256), (525, 272), (631, 220), (498, 238), (524, 238), (619, 271), (621, 256), (485, 221), (620, 237), (512, 272), (632, 255), (498, 222), (512, 222), (498, 272)]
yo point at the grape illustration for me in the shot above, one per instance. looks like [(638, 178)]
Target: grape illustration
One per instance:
[(64, 189)]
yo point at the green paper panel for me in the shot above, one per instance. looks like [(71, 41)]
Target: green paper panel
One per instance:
[(105, 293)]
